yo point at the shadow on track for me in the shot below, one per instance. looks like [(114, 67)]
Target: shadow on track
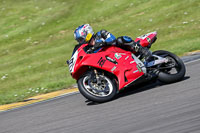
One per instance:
[(136, 89)]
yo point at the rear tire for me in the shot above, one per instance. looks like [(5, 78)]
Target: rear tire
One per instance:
[(97, 93), (165, 75)]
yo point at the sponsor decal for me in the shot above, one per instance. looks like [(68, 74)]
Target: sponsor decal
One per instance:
[(118, 56), (101, 62), (135, 71), (148, 39), (140, 70), (113, 69), (126, 57), (111, 60), (140, 65)]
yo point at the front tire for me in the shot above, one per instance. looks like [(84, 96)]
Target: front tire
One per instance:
[(167, 75), (101, 92)]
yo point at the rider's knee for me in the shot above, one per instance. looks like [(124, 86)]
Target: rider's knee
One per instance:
[(123, 39)]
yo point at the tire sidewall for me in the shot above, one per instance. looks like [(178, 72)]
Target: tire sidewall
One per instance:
[(170, 78)]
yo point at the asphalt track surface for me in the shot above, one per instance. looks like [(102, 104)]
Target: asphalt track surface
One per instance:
[(155, 108)]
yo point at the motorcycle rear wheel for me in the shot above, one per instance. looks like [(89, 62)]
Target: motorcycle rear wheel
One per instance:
[(166, 75), (102, 92)]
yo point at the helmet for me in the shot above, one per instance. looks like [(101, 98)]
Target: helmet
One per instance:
[(83, 33)]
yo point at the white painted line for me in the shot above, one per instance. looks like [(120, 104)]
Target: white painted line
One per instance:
[(192, 61)]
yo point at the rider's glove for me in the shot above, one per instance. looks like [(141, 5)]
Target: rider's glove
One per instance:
[(89, 51), (96, 46), (99, 45)]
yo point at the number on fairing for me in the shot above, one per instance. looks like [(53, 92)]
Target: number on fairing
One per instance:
[(144, 36), (72, 61)]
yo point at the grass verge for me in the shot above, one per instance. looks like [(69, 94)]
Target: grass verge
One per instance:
[(36, 36)]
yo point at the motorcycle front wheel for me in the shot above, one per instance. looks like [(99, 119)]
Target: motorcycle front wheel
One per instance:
[(172, 71), (102, 91)]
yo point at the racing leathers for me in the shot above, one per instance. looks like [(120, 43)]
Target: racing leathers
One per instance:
[(105, 38), (102, 38)]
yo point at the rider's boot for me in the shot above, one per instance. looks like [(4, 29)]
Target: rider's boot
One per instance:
[(146, 54), (127, 43), (143, 51)]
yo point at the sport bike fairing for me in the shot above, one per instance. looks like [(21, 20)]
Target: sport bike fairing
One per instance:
[(124, 64), (94, 70)]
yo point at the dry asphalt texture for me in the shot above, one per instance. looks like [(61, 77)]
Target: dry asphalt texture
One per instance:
[(156, 108)]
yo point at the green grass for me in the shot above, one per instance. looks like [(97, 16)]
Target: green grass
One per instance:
[(36, 36)]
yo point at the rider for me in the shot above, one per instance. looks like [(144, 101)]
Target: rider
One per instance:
[(84, 34)]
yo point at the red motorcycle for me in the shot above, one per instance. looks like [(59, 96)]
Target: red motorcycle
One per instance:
[(101, 75)]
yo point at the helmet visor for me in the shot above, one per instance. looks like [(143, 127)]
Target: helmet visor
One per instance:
[(80, 40)]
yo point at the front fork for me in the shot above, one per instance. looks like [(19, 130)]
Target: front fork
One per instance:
[(97, 77)]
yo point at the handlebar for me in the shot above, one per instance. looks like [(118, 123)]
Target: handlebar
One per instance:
[(90, 50)]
